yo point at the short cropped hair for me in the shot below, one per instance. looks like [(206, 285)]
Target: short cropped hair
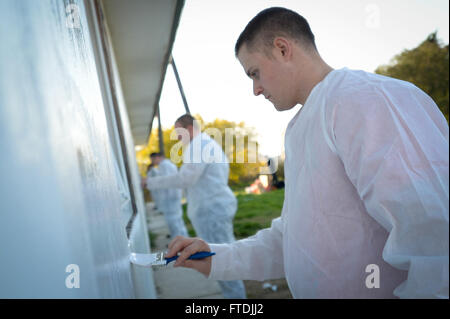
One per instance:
[(273, 22), (155, 154), (186, 120)]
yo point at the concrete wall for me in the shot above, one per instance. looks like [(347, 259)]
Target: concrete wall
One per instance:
[(65, 198)]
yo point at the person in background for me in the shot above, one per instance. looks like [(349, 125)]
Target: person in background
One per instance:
[(275, 183), (168, 200), (211, 203)]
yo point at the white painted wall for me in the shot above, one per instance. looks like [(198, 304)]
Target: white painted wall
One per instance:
[(60, 199)]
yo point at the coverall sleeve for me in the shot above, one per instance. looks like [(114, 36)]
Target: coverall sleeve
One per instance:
[(163, 171), (397, 158), (258, 257), (188, 175), (152, 173)]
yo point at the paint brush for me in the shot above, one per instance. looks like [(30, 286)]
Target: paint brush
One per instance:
[(158, 259)]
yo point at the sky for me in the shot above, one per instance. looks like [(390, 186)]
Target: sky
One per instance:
[(358, 34)]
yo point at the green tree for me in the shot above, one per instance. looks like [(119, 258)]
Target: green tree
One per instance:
[(427, 67), (239, 144), (241, 148)]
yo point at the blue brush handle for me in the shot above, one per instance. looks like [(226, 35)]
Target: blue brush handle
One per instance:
[(199, 255)]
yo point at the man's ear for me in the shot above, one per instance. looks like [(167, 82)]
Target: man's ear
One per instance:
[(283, 47), (190, 129)]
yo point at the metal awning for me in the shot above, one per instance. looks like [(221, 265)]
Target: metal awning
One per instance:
[(142, 34)]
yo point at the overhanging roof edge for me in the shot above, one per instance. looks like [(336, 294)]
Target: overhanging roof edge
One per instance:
[(177, 16)]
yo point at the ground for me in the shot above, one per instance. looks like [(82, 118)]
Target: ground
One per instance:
[(255, 289)]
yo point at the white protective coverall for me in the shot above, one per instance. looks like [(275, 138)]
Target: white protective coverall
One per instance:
[(211, 203), (168, 201), (366, 209)]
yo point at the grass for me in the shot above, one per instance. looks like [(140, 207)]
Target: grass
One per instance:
[(254, 212), (152, 238)]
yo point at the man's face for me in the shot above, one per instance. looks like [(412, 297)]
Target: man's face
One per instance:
[(156, 160), (184, 134), (270, 76), (179, 130)]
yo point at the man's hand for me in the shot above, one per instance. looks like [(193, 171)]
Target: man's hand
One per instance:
[(186, 247)]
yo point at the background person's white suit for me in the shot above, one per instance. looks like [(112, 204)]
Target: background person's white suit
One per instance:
[(211, 203), (168, 200)]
